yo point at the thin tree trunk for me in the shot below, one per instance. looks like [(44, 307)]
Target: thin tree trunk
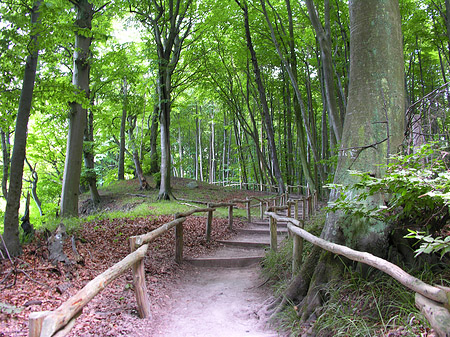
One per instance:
[(88, 152), (6, 160), (153, 143), (292, 72), (197, 136), (143, 184), (263, 100), (11, 219), (323, 35), (200, 147), (123, 120), (77, 118)]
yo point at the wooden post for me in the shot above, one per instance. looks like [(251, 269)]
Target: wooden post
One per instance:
[(140, 287), (296, 209), (35, 323), (303, 208), (261, 210), (316, 199), (289, 213), (297, 252), (209, 224), (273, 234), (310, 206), (249, 213), (178, 241), (230, 217)]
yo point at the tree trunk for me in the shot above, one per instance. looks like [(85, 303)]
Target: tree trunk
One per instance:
[(11, 220), (121, 166), (323, 36), (447, 22), (77, 118), (263, 100), (88, 152), (6, 160), (143, 184), (154, 167), (373, 129), (164, 121)]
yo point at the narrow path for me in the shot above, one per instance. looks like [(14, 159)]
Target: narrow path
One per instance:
[(219, 295)]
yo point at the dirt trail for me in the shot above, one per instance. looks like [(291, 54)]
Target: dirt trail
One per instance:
[(220, 302)]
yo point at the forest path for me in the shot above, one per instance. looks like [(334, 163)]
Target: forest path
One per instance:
[(220, 298)]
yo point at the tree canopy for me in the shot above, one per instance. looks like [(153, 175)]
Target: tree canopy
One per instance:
[(247, 93)]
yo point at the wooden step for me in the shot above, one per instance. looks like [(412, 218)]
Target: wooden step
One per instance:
[(261, 230), (225, 262)]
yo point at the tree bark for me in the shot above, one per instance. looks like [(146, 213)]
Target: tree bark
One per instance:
[(153, 144), (88, 153), (77, 118), (123, 120), (143, 184), (6, 161), (11, 220)]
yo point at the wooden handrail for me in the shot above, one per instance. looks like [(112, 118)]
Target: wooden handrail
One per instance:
[(150, 236), (431, 292), (53, 321)]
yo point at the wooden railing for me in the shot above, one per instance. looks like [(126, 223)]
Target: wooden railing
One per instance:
[(433, 301), (60, 321)]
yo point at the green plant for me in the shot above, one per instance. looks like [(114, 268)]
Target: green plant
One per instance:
[(430, 244), (415, 191)]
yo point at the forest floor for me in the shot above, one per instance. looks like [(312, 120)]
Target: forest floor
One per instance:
[(31, 283)]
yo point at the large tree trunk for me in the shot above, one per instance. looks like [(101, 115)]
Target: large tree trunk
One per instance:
[(77, 118), (373, 129), (11, 220)]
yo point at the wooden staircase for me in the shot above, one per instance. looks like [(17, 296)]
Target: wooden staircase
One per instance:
[(245, 249)]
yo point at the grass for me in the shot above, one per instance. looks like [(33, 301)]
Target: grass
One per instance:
[(123, 199)]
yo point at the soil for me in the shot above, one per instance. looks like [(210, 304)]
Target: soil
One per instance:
[(220, 302)]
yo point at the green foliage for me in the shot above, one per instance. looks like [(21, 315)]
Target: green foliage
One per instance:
[(430, 244), (415, 192)]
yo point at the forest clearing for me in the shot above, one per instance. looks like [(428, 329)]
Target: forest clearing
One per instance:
[(226, 123)]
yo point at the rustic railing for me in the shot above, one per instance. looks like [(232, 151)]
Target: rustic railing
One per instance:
[(433, 301)]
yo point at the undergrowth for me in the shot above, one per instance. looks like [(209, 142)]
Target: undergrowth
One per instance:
[(371, 305)]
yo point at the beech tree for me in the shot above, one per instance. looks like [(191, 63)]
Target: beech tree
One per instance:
[(373, 130), (78, 113), (170, 23), (11, 221)]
